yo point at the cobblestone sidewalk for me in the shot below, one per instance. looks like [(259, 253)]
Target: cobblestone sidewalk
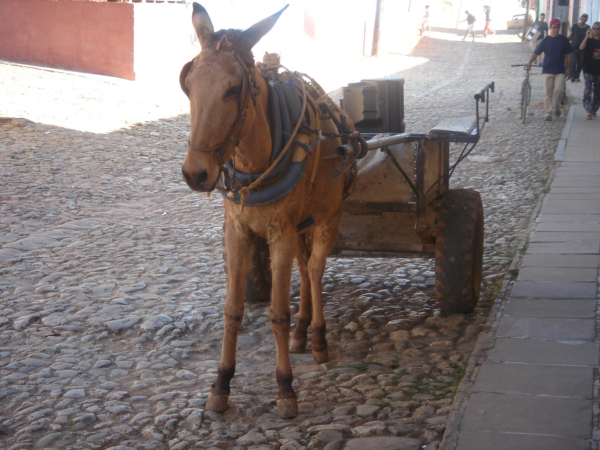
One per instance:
[(112, 281)]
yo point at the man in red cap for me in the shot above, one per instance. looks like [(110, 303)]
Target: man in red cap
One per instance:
[(556, 49)]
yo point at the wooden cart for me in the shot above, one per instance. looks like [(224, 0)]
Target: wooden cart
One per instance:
[(401, 206)]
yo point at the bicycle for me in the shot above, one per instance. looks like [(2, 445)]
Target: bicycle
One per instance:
[(525, 91)]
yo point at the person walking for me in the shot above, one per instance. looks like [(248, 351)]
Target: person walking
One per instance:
[(488, 20), (556, 48), (542, 27), (590, 46), (425, 22), (576, 36), (470, 23)]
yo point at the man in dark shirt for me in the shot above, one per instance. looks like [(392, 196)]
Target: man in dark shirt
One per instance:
[(556, 49), (591, 70), (576, 36), (470, 22), (541, 26)]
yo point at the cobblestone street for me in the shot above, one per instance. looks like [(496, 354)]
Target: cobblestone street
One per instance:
[(112, 283)]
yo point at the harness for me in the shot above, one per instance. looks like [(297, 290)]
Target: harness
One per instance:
[(296, 109), (288, 166)]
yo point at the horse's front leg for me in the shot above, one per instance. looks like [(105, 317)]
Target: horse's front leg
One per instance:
[(238, 246), (322, 244), (298, 341), (283, 251)]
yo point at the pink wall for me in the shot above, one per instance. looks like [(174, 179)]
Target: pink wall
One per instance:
[(84, 36)]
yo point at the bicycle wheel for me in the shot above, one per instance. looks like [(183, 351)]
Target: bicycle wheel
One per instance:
[(525, 96), (521, 102)]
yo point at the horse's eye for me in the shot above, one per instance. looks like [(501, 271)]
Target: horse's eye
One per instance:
[(232, 92)]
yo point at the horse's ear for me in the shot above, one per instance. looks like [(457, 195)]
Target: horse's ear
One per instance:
[(255, 33), (183, 75), (202, 24)]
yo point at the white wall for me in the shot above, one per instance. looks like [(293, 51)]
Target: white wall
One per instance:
[(502, 12)]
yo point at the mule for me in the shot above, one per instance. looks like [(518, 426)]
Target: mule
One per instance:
[(231, 124)]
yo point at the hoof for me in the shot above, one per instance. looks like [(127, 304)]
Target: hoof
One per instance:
[(287, 408), (217, 403), (297, 345), (320, 357)]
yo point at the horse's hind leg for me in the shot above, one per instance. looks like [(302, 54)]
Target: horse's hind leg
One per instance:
[(298, 341), (283, 251), (238, 263)]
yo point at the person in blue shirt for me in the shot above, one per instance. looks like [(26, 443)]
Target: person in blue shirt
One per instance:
[(556, 49)]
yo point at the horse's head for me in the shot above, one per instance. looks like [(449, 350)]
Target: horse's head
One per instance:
[(222, 88)]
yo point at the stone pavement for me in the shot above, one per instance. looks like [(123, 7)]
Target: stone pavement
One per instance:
[(538, 387), (112, 282)]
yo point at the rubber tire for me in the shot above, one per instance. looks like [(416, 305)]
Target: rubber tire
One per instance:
[(524, 102), (259, 278), (459, 251)]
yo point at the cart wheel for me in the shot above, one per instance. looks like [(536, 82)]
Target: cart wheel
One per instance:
[(459, 250), (258, 281)]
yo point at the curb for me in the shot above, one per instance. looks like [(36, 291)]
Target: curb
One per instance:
[(562, 143)]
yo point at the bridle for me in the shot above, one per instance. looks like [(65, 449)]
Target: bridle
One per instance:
[(249, 89)]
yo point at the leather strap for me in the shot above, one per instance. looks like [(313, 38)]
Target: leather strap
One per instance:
[(233, 136)]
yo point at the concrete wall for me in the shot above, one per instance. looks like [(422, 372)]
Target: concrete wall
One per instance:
[(84, 36), (164, 40)]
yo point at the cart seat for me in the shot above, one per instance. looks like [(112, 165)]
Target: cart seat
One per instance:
[(459, 129)]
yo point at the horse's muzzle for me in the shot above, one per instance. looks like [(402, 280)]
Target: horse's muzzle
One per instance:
[(198, 181)]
